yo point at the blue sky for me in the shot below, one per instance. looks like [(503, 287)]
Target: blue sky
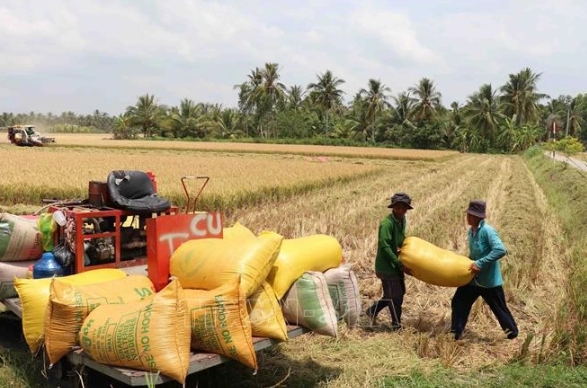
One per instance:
[(82, 55)]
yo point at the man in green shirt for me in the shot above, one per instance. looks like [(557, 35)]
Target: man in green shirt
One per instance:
[(388, 268)]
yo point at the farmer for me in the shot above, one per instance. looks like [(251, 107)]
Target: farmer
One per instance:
[(391, 236), (485, 249)]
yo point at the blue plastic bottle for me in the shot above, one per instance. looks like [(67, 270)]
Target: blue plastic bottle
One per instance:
[(47, 266)]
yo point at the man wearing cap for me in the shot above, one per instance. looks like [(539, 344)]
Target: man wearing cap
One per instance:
[(392, 230), (485, 249)]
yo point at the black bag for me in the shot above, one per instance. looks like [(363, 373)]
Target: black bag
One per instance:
[(63, 255)]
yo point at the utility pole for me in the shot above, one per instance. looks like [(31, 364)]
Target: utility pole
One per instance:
[(567, 126)]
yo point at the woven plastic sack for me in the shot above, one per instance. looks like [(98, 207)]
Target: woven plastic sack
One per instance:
[(151, 335), (311, 253), (209, 263), (266, 315), (308, 303), (220, 322), (238, 231), (435, 265), (70, 304), (344, 291), (9, 271), (34, 298), (20, 239)]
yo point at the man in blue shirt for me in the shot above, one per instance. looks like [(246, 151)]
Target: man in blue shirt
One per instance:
[(485, 249)]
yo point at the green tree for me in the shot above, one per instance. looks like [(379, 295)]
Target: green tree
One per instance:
[(146, 114), (326, 94), (375, 101)]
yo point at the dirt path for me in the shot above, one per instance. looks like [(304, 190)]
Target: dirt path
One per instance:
[(575, 162)]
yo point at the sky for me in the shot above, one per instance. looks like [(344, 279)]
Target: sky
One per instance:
[(83, 55)]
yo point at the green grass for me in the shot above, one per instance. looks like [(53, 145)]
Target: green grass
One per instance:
[(541, 376), (566, 190)]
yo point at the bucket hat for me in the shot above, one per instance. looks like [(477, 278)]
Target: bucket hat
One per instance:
[(401, 197), (477, 208)]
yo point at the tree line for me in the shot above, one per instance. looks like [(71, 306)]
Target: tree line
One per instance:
[(506, 118)]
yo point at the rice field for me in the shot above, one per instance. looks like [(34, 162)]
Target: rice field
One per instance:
[(105, 141), (346, 197), (32, 174)]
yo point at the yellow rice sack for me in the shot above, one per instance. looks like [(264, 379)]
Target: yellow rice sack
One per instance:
[(220, 322), (308, 303), (69, 305), (266, 315), (239, 231), (209, 263), (311, 253), (435, 265), (34, 298), (344, 291), (151, 335)]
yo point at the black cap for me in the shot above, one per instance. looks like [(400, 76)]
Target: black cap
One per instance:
[(401, 197), (476, 208)]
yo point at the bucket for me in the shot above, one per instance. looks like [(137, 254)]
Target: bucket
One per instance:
[(98, 194)]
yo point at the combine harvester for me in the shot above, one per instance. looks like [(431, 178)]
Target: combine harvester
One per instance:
[(116, 228), (27, 136)]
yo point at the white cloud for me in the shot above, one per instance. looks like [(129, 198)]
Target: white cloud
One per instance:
[(395, 30), (88, 54)]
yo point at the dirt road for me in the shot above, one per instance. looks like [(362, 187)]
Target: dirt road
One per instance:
[(577, 163)]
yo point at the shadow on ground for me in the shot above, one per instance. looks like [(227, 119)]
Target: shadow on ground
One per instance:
[(275, 369)]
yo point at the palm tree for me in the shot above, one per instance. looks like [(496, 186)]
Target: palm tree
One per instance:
[(575, 114), (246, 97), (452, 125), (263, 92), (326, 93), (146, 114), (427, 99), (295, 97), (374, 99), (483, 112), (520, 97), (270, 92), (226, 125), (403, 109), (186, 120)]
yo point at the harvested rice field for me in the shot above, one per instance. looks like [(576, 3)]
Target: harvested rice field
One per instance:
[(296, 195)]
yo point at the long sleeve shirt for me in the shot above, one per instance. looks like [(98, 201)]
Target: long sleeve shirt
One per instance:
[(486, 248), (390, 237)]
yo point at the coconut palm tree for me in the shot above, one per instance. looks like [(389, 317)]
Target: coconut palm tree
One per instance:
[(295, 97), (327, 94), (575, 114), (427, 100), (186, 120), (375, 100), (520, 97), (146, 114), (483, 112)]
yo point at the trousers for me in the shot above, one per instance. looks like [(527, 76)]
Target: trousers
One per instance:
[(394, 289), (463, 300)]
